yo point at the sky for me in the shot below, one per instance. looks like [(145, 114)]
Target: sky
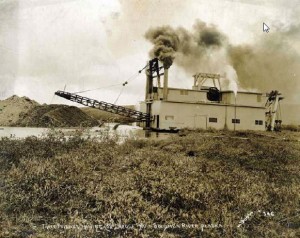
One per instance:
[(49, 45)]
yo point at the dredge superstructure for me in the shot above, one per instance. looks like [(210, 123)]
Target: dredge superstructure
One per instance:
[(171, 109)]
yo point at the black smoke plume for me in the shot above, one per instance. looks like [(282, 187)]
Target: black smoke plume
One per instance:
[(166, 43), (170, 43)]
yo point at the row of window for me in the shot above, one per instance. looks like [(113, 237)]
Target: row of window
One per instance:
[(215, 120), (235, 121)]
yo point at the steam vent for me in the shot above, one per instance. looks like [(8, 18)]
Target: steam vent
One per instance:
[(205, 107)]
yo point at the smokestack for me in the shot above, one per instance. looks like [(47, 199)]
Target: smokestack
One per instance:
[(165, 90)]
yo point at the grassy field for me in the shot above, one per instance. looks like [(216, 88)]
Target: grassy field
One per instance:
[(195, 184)]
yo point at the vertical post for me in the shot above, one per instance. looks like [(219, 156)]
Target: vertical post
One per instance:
[(158, 81), (214, 82), (147, 82), (195, 80), (225, 125), (165, 90), (149, 91), (234, 111), (152, 65), (148, 122)]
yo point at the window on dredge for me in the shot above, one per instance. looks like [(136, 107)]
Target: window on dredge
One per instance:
[(236, 121), (169, 117), (213, 119), (259, 122)]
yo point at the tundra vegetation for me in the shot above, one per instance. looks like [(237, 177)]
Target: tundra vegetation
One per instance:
[(194, 184)]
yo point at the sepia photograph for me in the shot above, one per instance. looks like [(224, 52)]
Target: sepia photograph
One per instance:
[(149, 118)]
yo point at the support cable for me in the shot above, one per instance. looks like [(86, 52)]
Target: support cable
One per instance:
[(134, 76)]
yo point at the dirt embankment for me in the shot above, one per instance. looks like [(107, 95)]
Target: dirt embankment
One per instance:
[(107, 116), (12, 107), (22, 111), (57, 116)]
